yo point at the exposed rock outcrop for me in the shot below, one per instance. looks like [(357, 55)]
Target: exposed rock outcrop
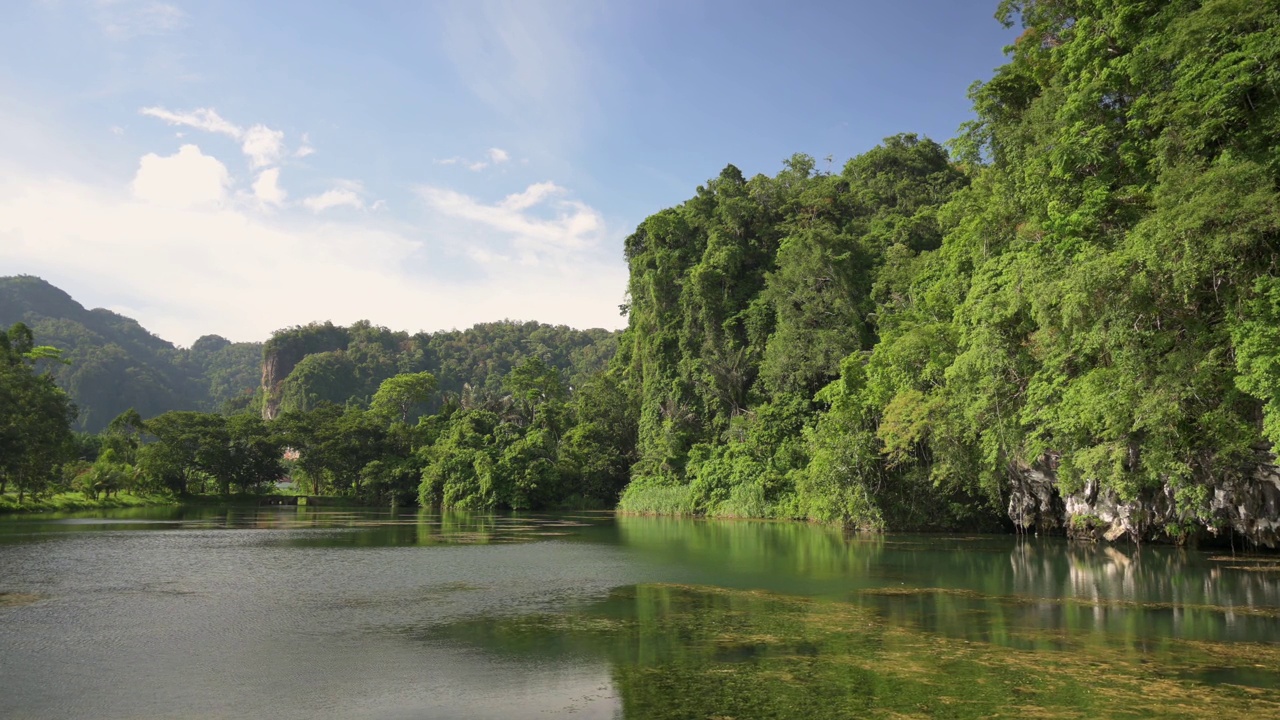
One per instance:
[(271, 379), (1034, 501), (1247, 506), (286, 349)]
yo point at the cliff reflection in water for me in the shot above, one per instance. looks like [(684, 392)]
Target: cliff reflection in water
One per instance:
[(1001, 589), (757, 619), (1051, 593), (680, 651)]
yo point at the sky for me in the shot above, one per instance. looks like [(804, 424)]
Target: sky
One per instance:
[(236, 167)]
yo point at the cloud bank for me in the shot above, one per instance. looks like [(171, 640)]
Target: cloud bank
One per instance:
[(181, 250)]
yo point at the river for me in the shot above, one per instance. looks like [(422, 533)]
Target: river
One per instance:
[(334, 613)]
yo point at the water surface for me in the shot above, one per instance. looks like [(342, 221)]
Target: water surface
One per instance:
[(323, 612)]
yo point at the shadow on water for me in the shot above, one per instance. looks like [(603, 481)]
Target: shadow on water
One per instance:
[(651, 617)]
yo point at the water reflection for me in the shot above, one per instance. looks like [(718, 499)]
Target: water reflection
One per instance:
[(984, 588), (354, 527), (338, 611), (685, 651)]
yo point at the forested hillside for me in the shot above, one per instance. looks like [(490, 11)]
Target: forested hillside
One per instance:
[(308, 365), (1066, 319), (113, 363), (1074, 317)]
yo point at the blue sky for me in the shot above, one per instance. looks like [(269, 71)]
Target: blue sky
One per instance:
[(236, 167)]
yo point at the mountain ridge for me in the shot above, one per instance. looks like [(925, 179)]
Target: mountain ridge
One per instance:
[(114, 363)]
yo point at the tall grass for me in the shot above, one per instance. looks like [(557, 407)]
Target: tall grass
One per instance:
[(643, 498), (746, 500), (69, 501)]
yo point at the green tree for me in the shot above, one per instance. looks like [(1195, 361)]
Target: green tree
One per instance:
[(35, 416), (400, 395)]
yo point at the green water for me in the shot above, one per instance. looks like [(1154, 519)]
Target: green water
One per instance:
[(322, 612)]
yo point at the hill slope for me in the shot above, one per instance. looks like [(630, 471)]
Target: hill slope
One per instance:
[(115, 363)]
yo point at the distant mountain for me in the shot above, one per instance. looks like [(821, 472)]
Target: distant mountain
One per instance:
[(116, 364)]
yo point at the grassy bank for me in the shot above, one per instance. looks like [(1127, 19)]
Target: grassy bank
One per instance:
[(74, 501), (71, 501), (641, 498)]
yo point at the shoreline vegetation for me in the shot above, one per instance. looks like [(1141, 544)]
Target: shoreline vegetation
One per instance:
[(1064, 320), (74, 502)]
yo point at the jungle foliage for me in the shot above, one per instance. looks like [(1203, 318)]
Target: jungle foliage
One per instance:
[(307, 365), (1086, 282), (114, 364)]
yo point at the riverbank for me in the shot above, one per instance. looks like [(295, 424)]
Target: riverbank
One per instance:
[(72, 501)]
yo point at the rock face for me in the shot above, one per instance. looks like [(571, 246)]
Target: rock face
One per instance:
[(286, 349), (1034, 502), (271, 379), (1248, 506)]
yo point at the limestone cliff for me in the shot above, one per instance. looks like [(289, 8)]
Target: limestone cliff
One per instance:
[(1246, 506), (286, 349), (272, 377)]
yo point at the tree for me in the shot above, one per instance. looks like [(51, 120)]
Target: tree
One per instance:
[(187, 446), (107, 475), (399, 395), (534, 382), (35, 415)]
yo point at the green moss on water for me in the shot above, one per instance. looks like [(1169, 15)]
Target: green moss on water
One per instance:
[(1251, 610), (15, 599), (696, 652)]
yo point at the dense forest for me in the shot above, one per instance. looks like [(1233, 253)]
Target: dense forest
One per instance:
[(355, 411), (1067, 318), (1074, 312), (114, 364), (307, 365)]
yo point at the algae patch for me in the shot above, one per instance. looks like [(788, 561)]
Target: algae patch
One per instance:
[(1264, 611), (678, 651), (16, 599)]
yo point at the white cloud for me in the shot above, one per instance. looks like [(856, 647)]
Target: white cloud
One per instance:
[(533, 195), (263, 145), (305, 148), (185, 179), (267, 188), (127, 19), (337, 197), (206, 119), (514, 222), (492, 156), (187, 271)]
